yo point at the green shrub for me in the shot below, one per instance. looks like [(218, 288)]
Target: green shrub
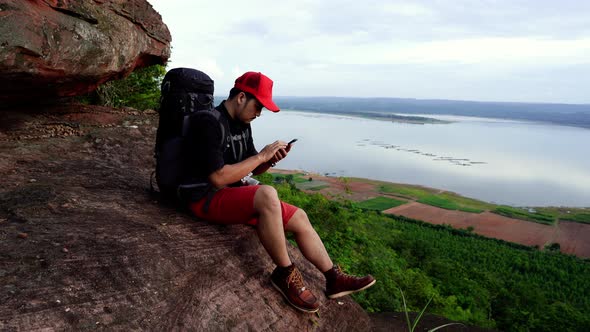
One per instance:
[(140, 90), (576, 217), (379, 203), (404, 190), (553, 246), (445, 203), (522, 214)]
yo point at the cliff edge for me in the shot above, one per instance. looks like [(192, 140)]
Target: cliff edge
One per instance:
[(83, 244)]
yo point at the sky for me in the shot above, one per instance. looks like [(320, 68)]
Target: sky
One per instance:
[(487, 50)]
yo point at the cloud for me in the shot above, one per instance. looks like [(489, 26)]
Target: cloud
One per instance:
[(311, 47), (410, 9), (517, 51)]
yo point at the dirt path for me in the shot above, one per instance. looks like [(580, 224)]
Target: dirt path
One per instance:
[(573, 238)]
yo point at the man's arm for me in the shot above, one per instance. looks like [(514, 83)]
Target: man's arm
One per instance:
[(229, 174), (262, 168)]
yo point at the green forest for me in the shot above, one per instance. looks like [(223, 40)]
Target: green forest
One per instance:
[(472, 279)]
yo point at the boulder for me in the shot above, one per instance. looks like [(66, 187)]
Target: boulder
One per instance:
[(55, 48), (84, 246)]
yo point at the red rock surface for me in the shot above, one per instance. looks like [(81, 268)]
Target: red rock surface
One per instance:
[(52, 48), (101, 254)]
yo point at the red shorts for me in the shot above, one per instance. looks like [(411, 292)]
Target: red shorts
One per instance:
[(235, 205)]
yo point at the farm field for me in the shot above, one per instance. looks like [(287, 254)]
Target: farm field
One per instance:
[(572, 237)]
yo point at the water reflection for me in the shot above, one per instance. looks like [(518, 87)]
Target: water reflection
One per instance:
[(506, 162), (452, 160)]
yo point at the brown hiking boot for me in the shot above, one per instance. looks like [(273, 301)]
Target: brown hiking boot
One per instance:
[(339, 284), (289, 282)]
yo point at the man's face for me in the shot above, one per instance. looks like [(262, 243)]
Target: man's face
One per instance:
[(250, 109)]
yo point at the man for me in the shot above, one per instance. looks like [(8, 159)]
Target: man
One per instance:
[(225, 165)]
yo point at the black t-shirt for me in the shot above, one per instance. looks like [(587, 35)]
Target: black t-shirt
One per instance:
[(208, 154)]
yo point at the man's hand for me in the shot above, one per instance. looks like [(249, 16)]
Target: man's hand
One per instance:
[(279, 150), (257, 164), (280, 154), (274, 151)]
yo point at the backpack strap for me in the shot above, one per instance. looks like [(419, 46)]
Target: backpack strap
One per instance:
[(184, 191), (224, 125)]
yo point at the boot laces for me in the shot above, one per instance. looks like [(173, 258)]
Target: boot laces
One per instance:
[(341, 273), (296, 280)]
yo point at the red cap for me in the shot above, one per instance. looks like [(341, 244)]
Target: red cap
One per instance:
[(258, 85)]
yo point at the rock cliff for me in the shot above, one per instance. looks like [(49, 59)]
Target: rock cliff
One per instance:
[(53, 48), (83, 245)]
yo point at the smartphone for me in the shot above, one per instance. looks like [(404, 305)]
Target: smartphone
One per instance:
[(292, 141)]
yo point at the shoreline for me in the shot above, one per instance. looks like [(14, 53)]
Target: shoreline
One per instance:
[(383, 116), (427, 188)]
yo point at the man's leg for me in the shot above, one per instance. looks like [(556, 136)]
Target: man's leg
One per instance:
[(270, 225), (338, 283), (285, 278), (309, 241), (253, 205)]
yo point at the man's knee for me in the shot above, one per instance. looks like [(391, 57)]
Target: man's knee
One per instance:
[(301, 215), (299, 222), (266, 197)]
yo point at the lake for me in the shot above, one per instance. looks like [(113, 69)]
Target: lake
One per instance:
[(500, 161)]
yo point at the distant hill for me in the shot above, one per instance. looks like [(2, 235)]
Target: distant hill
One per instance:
[(577, 115)]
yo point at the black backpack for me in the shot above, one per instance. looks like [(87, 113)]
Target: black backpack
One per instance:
[(187, 94)]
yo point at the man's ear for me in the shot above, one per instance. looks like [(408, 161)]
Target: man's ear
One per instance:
[(241, 98)]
